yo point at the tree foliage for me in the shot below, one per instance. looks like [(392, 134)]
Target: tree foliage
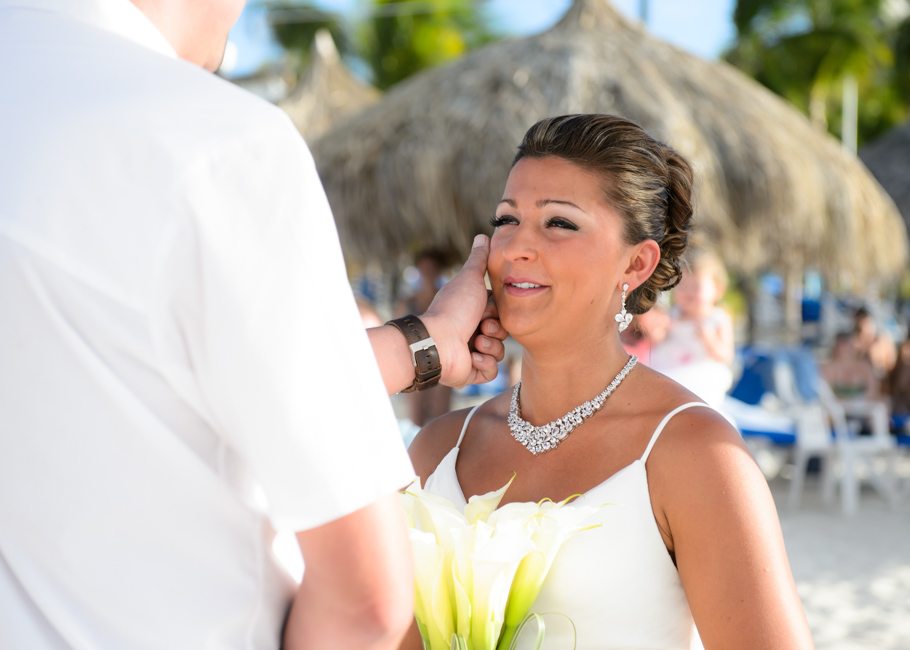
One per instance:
[(397, 43), (295, 23), (805, 49), (394, 38)]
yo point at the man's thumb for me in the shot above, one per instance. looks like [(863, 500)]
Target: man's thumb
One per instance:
[(477, 260)]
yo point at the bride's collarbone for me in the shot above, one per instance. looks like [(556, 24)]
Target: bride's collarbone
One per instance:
[(488, 460)]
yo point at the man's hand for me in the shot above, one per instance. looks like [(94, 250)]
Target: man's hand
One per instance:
[(464, 323)]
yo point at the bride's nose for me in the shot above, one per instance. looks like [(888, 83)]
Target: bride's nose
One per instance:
[(520, 245)]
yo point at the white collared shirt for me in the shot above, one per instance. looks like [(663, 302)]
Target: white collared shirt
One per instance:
[(177, 336)]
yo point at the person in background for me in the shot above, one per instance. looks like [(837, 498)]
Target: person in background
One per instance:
[(853, 382), (426, 405), (899, 385), (849, 373), (870, 343), (182, 366), (646, 332), (698, 349)]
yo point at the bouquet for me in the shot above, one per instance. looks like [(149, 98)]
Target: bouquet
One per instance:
[(479, 571)]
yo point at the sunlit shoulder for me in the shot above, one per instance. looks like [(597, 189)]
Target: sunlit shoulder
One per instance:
[(435, 440)]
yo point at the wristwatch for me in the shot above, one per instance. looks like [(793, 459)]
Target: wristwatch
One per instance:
[(425, 356)]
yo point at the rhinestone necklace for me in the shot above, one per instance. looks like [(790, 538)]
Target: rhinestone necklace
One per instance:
[(542, 439)]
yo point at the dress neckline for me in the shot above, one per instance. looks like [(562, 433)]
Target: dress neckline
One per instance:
[(637, 461), (641, 461)]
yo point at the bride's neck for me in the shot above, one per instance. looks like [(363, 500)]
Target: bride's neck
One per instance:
[(555, 381)]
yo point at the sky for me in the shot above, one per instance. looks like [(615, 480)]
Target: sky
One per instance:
[(702, 27)]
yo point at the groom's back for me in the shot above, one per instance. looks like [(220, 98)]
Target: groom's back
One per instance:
[(99, 137), (108, 446)]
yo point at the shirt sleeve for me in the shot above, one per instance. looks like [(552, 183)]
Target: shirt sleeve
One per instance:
[(272, 334)]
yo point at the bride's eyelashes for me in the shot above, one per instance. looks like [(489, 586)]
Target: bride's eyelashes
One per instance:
[(559, 222), (555, 222), (501, 221)]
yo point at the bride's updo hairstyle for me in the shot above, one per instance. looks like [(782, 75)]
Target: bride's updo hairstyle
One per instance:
[(644, 180)]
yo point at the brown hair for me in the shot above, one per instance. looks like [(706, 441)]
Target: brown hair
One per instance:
[(646, 181)]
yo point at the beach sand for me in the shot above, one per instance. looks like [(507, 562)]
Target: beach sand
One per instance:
[(853, 574)]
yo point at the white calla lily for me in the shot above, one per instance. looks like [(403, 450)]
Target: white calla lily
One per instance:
[(437, 515), (481, 505), (479, 571), (549, 525), (432, 609), (494, 562)]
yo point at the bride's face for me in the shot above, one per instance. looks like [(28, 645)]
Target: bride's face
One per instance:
[(558, 255)]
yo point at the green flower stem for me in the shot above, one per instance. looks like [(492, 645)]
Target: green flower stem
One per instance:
[(525, 587)]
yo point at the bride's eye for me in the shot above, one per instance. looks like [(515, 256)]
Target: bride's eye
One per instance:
[(559, 222), (502, 221)]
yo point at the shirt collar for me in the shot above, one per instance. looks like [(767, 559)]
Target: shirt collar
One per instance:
[(121, 17)]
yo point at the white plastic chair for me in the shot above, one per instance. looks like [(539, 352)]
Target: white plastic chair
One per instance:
[(815, 421), (813, 433), (813, 440), (856, 453)]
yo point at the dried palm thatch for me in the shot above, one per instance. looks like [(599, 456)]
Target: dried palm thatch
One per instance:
[(326, 91), (427, 164), (888, 158)]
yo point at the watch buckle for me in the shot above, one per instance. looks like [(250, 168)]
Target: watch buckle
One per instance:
[(420, 346)]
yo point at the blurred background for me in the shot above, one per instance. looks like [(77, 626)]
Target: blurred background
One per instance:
[(795, 115)]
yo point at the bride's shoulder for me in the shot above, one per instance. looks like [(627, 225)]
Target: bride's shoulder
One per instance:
[(698, 451), (438, 437), (697, 428)]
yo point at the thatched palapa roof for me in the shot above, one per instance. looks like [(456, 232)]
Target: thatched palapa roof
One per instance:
[(427, 164), (326, 91), (888, 158)]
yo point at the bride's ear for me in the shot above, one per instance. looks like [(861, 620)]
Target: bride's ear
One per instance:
[(642, 262)]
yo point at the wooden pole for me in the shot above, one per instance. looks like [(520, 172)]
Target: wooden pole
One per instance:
[(849, 114)]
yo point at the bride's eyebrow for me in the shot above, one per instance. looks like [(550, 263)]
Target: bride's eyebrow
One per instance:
[(542, 202)]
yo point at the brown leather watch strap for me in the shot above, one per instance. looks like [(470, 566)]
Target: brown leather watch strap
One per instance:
[(428, 368)]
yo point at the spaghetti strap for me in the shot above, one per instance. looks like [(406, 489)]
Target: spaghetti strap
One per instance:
[(464, 427), (660, 427)]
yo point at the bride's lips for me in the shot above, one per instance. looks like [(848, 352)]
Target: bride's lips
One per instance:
[(521, 287)]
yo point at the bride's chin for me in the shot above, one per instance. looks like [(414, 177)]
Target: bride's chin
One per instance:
[(522, 324), (519, 328)]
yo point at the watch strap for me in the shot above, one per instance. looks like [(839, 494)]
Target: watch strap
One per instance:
[(424, 355)]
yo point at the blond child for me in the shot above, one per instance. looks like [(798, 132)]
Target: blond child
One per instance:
[(699, 348)]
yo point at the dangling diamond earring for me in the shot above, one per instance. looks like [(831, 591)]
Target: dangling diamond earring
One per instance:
[(623, 317)]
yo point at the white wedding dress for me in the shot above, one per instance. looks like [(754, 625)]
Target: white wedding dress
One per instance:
[(616, 582)]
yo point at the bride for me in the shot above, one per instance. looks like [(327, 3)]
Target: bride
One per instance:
[(592, 224)]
